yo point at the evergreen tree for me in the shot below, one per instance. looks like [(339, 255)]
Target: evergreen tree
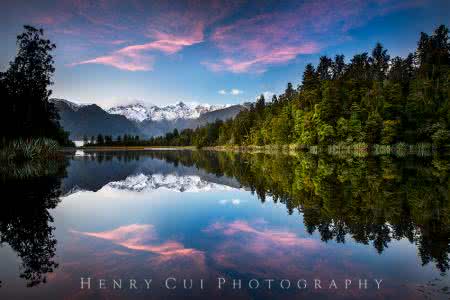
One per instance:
[(260, 105), (338, 67), (380, 62), (310, 78), (325, 68), (25, 89)]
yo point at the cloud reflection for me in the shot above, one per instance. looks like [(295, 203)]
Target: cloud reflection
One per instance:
[(143, 237)]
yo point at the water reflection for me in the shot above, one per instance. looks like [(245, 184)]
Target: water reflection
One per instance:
[(373, 200), (25, 218), (193, 214), (142, 237)]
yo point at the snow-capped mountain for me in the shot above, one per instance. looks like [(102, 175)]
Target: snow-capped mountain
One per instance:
[(189, 183), (134, 112), (140, 112), (138, 119)]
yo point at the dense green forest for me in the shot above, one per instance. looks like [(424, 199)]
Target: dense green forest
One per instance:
[(373, 99), (26, 115)]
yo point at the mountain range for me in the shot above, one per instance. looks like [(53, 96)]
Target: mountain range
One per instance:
[(138, 119), (142, 182)]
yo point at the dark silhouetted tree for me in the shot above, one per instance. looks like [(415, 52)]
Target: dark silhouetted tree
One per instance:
[(25, 90)]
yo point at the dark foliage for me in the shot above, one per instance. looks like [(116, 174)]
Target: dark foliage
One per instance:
[(26, 111)]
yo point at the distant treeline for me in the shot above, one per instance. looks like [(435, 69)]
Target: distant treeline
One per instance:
[(108, 140), (373, 99)]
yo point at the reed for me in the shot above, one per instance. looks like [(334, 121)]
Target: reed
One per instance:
[(22, 150)]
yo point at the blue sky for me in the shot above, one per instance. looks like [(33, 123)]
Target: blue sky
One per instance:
[(114, 52)]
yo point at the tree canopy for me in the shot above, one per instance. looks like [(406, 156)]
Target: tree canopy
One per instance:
[(24, 88)]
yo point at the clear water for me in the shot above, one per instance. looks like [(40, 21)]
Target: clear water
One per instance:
[(272, 223)]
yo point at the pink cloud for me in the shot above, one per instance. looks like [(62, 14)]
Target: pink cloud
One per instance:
[(137, 58), (263, 238), (273, 38), (143, 238), (256, 249), (264, 35), (127, 61), (252, 45), (169, 26), (261, 61)]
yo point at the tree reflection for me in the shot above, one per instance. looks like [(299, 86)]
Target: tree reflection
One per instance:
[(372, 200), (25, 219)]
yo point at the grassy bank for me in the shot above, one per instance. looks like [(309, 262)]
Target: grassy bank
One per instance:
[(27, 158), (22, 150)]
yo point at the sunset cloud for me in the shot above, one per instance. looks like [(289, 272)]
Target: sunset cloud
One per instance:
[(164, 27), (139, 57), (142, 237), (128, 61), (252, 45), (244, 245), (250, 38), (262, 237)]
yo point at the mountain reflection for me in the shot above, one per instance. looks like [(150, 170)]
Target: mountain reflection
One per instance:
[(171, 182)]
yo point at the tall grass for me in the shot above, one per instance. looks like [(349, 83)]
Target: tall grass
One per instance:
[(23, 150), (25, 158)]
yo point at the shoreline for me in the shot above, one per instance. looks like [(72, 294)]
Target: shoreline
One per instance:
[(399, 149), (130, 148)]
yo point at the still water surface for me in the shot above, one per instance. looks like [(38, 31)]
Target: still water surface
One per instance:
[(271, 223)]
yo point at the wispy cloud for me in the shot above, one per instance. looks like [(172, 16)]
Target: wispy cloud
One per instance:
[(128, 61), (252, 45), (142, 237), (149, 28), (139, 57), (133, 35), (233, 92)]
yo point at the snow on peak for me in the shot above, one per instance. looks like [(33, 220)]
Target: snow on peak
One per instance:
[(180, 110), (189, 183), (135, 112)]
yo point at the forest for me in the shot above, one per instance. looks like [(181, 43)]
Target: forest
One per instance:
[(372, 100)]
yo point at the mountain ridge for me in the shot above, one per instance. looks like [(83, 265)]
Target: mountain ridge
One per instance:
[(180, 110), (138, 119)]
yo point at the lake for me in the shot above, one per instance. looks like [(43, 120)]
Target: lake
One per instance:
[(206, 225)]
